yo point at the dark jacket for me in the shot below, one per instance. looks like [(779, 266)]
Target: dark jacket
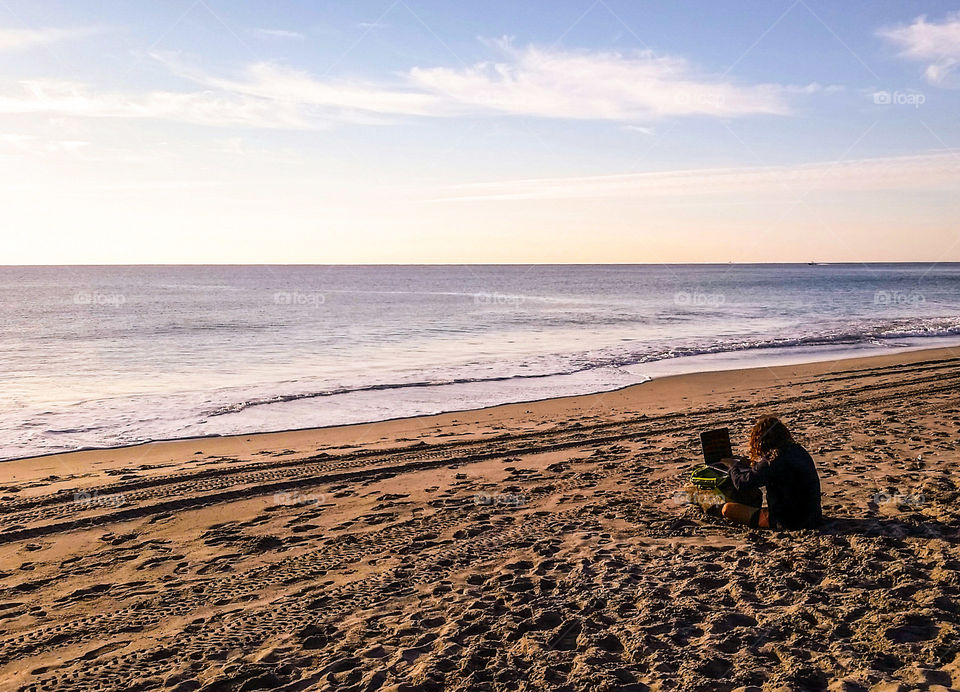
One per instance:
[(793, 487)]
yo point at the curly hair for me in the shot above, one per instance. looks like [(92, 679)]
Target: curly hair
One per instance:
[(768, 438)]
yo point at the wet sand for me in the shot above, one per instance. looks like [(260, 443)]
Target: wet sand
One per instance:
[(527, 546)]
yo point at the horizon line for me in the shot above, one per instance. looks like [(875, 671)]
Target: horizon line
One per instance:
[(468, 264)]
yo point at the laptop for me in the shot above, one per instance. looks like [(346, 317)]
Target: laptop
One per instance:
[(716, 446)]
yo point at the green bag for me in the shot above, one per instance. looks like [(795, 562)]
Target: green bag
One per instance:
[(712, 478), (709, 478)]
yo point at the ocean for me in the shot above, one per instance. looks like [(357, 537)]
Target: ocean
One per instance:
[(113, 355)]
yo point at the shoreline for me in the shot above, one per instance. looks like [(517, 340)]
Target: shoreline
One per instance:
[(805, 360), (916, 353)]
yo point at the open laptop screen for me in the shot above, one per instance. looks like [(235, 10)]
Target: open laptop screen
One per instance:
[(716, 445)]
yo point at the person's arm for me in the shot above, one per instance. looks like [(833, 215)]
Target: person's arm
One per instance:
[(730, 462), (749, 477)]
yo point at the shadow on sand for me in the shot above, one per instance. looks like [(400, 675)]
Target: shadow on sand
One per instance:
[(876, 526)]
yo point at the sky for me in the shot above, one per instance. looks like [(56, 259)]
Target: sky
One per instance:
[(413, 131)]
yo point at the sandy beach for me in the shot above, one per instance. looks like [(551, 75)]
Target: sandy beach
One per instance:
[(526, 546)]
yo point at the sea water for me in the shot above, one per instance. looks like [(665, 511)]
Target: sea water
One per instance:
[(104, 356)]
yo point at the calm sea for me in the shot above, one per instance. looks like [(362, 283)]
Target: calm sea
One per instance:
[(102, 356)]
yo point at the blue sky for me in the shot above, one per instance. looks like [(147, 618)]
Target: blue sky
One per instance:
[(406, 131)]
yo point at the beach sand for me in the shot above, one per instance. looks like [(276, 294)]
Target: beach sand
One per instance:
[(528, 546)]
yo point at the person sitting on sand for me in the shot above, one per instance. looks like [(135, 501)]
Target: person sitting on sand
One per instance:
[(787, 471)]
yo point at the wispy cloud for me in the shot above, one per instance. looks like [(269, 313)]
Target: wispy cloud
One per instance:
[(274, 83), (528, 82), (76, 99), (632, 89), (910, 172), (280, 33), (31, 144), (22, 39), (595, 86), (935, 43)]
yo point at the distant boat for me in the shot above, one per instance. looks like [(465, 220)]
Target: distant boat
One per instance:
[(813, 264)]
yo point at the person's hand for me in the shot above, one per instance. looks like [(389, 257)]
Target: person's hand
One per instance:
[(729, 462)]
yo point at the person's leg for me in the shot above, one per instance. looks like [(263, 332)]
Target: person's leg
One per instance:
[(745, 514), (738, 513)]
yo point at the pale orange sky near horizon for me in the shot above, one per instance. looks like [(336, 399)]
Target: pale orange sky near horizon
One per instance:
[(296, 224)]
